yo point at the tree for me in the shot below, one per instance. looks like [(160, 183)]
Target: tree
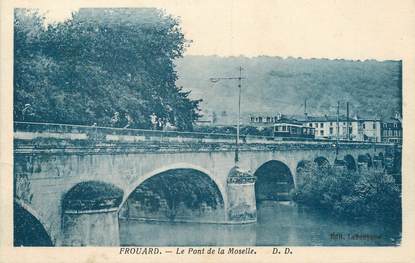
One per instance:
[(375, 196), (99, 62), (367, 194), (28, 61)]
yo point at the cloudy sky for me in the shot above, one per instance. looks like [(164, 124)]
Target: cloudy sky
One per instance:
[(352, 29)]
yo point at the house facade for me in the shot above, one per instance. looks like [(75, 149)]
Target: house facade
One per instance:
[(326, 127), (343, 128), (266, 120), (392, 130)]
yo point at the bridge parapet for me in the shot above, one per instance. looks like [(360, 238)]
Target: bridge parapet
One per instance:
[(30, 130), (31, 136)]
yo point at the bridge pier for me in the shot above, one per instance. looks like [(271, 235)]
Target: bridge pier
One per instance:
[(90, 215), (241, 197), (91, 228)]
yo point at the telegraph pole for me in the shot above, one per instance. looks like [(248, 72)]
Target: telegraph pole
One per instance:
[(347, 123), (338, 128), (239, 78), (239, 115), (305, 108)]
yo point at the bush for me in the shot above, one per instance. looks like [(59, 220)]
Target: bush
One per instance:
[(367, 194), (375, 196)]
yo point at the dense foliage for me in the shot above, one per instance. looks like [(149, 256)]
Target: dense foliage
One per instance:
[(189, 187), (104, 66), (367, 194), (274, 84), (92, 195)]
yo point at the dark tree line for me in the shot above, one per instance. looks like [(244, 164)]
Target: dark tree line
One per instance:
[(368, 194), (98, 63)]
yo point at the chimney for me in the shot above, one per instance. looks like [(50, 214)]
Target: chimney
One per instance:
[(398, 115)]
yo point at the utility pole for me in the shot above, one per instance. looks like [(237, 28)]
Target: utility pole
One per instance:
[(239, 78), (239, 115), (338, 128), (347, 123), (305, 108)]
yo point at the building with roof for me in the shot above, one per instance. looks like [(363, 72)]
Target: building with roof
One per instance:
[(283, 126), (392, 130), (326, 127), (267, 120), (343, 128)]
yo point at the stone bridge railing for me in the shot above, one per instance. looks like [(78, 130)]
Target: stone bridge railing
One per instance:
[(35, 130), (31, 130)]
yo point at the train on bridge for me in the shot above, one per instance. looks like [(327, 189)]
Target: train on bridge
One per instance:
[(293, 131)]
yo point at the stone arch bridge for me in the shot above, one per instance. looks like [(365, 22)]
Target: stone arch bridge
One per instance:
[(55, 166)]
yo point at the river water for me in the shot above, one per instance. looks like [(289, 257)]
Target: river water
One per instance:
[(279, 223)]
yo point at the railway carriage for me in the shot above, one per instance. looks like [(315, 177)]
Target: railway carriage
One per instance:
[(293, 130)]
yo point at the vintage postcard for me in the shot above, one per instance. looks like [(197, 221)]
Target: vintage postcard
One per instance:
[(207, 131)]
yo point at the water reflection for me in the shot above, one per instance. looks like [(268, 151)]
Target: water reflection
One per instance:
[(279, 223)]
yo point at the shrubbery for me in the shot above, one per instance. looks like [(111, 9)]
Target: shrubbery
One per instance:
[(366, 194)]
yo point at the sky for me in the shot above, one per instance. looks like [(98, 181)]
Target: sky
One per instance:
[(353, 29)]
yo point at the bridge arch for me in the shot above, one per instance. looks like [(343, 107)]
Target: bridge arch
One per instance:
[(365, 159), (274, 181), (92, 195), (379, 160), (389, 160), (369, 158), (29, 227), (350, 162), (302, 167), (303, 164), (179, 187), (321, 161), (140, 179)]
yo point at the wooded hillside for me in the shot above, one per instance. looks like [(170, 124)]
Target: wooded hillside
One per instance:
[(275, 84)]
